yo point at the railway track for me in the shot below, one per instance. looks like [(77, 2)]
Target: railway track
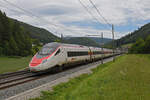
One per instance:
[(12, 79), (12, 74), (20, 77)]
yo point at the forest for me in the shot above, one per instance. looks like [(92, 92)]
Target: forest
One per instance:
[(14, 40), (17, 38), (141, 46), (142, 32)]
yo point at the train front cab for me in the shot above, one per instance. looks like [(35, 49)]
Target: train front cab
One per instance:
[(44, 59)]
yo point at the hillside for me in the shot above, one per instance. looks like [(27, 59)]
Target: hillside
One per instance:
[(88, 41), (14, 40), (99, 40), (41, 34), (45, 36), (142, 32), (82, 41)]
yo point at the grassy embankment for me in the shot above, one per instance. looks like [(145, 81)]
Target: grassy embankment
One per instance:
[(127, 45), (128, 78), (11, 64)]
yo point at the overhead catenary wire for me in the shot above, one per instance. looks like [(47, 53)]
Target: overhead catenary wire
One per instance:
[(98, 11), (29, 13), (90, 13), (38, 17), (13, 10), (5, 7), (96, 19), (110, 25)]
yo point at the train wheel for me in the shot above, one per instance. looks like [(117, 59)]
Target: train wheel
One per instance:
[(60, 68)]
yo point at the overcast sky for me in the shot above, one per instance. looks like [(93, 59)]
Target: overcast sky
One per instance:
[(73, 20)]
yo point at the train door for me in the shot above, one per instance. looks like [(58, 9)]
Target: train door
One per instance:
[(60, 56)]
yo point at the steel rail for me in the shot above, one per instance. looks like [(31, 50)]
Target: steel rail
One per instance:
[(27, 77)]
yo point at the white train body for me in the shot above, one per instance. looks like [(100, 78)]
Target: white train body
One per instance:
[(57, 54)]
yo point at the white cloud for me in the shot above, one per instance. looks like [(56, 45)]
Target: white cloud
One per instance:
[(117, 12)]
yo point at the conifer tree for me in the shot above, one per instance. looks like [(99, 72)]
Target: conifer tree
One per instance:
[(13, 46), (14, 40)]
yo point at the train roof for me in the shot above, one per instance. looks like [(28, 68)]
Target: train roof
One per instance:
[(63, 44), (56, 44)]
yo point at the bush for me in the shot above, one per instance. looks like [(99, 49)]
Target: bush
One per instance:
[(1, 51), (35, 49), (141, 46)]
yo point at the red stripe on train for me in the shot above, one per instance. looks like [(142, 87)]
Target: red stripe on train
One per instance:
[(35, 61)]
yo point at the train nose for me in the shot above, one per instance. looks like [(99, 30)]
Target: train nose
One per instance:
[(32, 69), (35, 62)]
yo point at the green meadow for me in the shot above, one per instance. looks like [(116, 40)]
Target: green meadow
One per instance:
[(128, 78), (11, 64)]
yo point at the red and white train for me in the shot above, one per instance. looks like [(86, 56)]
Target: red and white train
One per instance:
[(59, 54)]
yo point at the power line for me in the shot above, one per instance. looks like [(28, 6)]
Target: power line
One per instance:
[(86, 8), (19, 7), (14, 10), (38, 17), (104, 20), (29, 13), (100, 13), (5, 7), (88, 11)]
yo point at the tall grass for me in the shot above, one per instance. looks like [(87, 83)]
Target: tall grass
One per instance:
[(11, 64), (128, 78)]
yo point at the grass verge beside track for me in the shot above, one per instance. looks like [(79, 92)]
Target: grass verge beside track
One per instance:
[(11, 64), (128, 78)]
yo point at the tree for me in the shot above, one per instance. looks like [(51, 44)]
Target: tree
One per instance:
[(1, 51), (147, 44), (6, 49), (28, 44), (36, 42), (57, 40), (138, 47), (13, 46), (14, 40)]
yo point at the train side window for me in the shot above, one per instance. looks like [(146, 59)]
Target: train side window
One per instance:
[(77, 53), (58, 51)]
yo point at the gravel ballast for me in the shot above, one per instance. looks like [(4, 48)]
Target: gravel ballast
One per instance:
[(32, 89)]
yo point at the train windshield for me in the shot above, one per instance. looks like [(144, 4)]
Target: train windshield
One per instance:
[(47, 50)]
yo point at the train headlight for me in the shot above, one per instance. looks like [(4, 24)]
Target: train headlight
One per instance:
[(44, 61)]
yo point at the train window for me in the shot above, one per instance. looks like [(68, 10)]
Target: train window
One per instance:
[(77, 53), (97, 52), (45, 51), (58, 51)]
